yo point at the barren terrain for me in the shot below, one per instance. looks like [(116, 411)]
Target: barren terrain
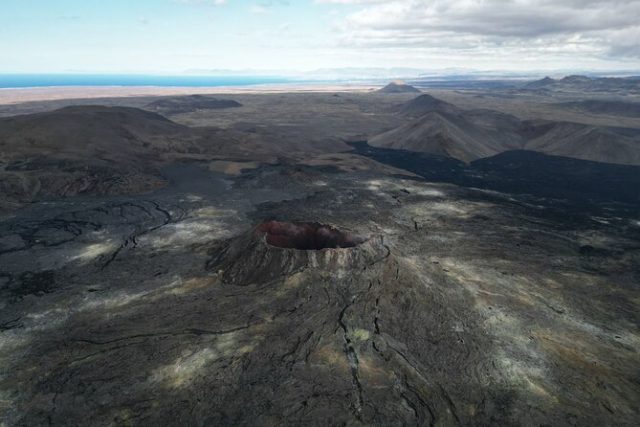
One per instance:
[(262, 263)]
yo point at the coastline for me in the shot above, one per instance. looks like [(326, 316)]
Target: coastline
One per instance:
[(10, 96)]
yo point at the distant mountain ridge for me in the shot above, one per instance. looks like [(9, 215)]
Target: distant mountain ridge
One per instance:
[(444, 129), (589, 84)]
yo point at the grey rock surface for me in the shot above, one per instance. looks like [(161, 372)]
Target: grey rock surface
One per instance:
[(463, 307)]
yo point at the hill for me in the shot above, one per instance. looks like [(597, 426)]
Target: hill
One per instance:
[(587, 84), (468, 137), (84, 150), (394, 87), (114, 133), (444, 129), (575, 140), (540, 84), (424, 104), (613, 108), (187, 104)]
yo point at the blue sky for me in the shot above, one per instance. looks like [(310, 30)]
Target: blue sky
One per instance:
[(178, 36)]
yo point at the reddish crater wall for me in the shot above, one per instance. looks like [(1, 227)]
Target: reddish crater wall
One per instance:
[(308, 236)]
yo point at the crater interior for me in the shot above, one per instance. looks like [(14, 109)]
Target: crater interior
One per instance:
[(308, 236)]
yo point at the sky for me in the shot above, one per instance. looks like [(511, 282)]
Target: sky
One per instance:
[(195, 36)]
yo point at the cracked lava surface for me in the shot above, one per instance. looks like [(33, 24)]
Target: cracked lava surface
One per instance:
[(473, 308)]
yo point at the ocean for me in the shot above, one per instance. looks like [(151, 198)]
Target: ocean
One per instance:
[(49, 80)]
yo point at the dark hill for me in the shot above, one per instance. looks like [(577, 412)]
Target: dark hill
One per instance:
[(613, 108), (187, 104), (85, 150), (444, 129), (624, 85), (579, 141), (576, 80), (540, 84), (85, 132), (449, 135), (398, 88), (424, 104)]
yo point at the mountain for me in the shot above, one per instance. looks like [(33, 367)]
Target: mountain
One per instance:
[(479, 134), (576, 80), (587, 84), (98, 150), (437, 133), (394, 87), (109, 133), (424, 104), (566, 81), (468, 135), (579, 141), (613, 108), (187, 104), (85, 150), (540, 84)]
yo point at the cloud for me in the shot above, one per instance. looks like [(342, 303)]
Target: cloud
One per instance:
[(625, 42), (587, 27)]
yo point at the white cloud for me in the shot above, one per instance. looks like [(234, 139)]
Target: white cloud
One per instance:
[(586, 27)]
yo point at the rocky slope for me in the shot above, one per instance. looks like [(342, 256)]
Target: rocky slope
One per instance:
[(444, 129), (118, 135), (445, 134), (89, 149), (612, 108), (423, 104), (600, 144), (97, 150), (273, 281), (459, 307)]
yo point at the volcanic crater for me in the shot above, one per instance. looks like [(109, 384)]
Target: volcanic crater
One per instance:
[(307, 236), (275, 249)]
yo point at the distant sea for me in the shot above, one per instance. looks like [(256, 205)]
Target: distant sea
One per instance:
[(49, 80)]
